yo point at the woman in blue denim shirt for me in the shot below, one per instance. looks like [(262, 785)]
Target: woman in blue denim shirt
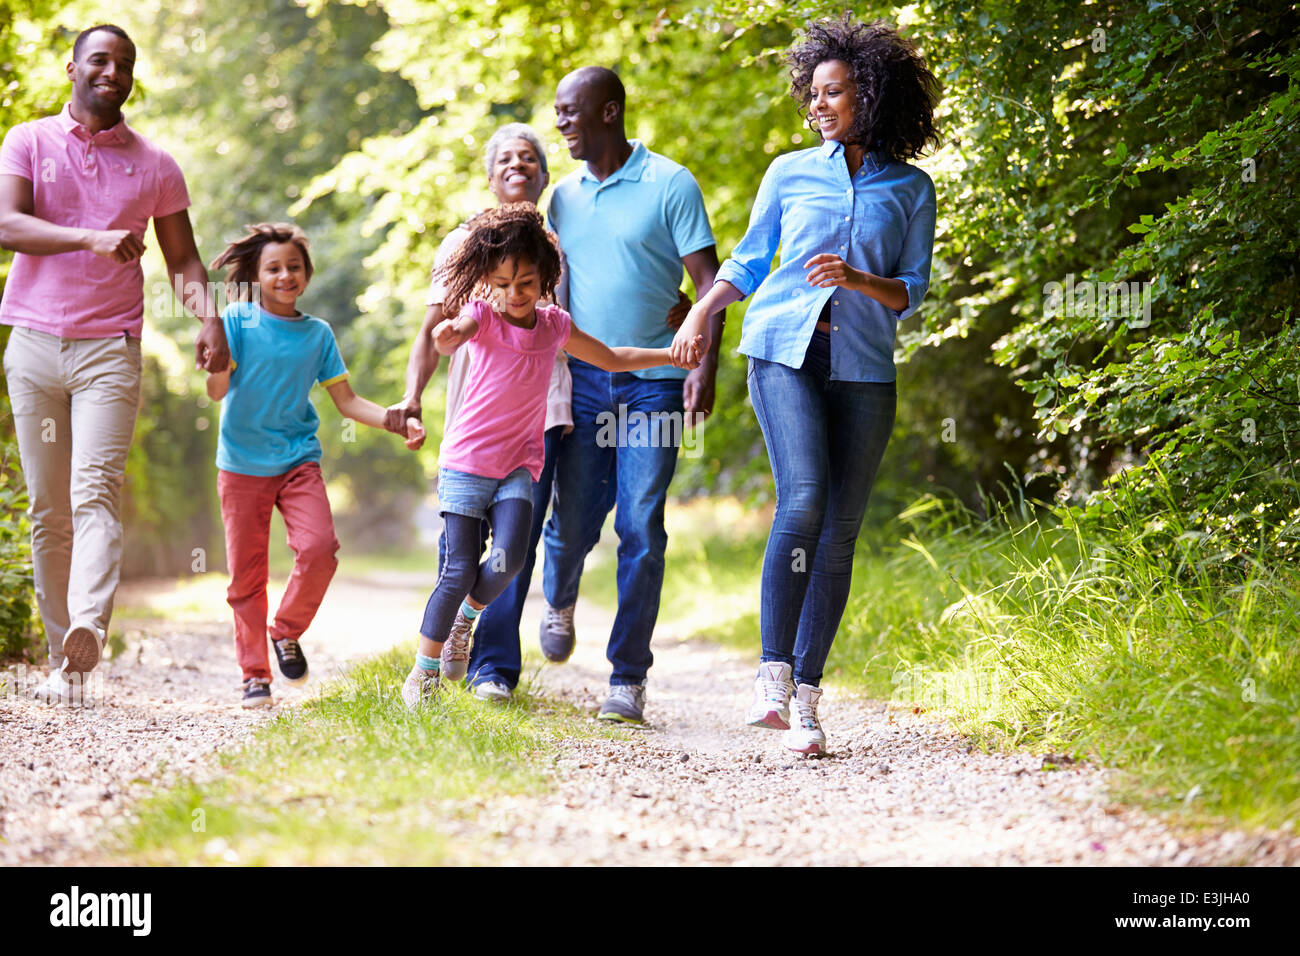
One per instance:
[(855, 226)]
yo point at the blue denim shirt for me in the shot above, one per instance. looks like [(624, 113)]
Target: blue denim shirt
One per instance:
[(879, 221)]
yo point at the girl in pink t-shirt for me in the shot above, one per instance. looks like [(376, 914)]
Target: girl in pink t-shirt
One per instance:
[(494, 449)]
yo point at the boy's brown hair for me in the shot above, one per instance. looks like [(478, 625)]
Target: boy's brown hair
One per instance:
[(241, 257)]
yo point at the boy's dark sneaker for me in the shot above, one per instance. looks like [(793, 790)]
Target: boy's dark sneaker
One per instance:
[(293, 663), (257, 692)]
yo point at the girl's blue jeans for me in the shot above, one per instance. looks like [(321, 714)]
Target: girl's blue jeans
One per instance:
[(825, 440)]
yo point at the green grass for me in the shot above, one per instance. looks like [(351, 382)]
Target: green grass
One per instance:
[(1147, 652), (352, 777)]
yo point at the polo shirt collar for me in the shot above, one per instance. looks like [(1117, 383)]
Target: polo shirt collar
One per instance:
[(874, 159), (630, 170), (118, 133)]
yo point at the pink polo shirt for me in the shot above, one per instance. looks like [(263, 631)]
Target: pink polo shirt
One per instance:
[(115, 179)]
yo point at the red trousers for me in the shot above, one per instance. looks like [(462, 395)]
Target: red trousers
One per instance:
[(246, 504)]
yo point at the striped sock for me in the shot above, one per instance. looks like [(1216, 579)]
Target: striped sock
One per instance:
[(469, 612), (428, 663)]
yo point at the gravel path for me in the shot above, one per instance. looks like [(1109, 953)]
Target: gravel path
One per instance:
[(693, 786)]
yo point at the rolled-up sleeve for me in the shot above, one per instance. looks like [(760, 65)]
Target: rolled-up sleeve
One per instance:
[(751, 260), (918, 248)]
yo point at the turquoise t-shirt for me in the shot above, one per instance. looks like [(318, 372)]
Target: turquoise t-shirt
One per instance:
[(624, 240), (268, 423)]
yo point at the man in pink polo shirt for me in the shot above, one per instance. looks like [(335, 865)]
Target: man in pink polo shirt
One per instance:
[(77, 191)]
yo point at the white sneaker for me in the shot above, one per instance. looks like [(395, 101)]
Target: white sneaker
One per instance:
[(420, 687), (61, 688), (82, 649), (772, 690), (806, 735), (455, 650), (492, 690)]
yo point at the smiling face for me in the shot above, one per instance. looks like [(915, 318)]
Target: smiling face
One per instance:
[(517, 173), (282, 277), (516, 287), (103, 76), (831, 99), (580, 116)]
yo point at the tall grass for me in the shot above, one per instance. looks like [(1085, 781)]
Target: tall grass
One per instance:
[(1146, 649)]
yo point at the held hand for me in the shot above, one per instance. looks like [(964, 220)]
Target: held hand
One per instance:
[(829, 270), (695, 326), (694, 354), (211, 351), (395, 416), (120, 245), (677, 314), (414, 433)]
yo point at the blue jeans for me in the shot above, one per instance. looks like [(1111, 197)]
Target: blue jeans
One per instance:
[(596, 468), (825, 440), (495, 655)]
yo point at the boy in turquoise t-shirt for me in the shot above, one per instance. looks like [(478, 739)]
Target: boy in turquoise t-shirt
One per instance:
[(268, 455)]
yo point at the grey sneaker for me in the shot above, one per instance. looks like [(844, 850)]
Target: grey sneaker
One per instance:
[(257, 693), (557, 635), (625, 703), (455, 650), (420, 687), (492, 690)]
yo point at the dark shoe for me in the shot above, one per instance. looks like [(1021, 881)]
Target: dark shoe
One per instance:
[(257, 693), (625, 703), (293, 663), (557, 635)]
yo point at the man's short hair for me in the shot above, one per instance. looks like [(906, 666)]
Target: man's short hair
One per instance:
[(514, 131), (80, 41), (606, 84)]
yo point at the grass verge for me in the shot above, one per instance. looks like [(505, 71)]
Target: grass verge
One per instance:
[(1143, 652), (351, 777)]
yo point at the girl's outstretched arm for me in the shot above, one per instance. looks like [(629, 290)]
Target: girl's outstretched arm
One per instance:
[(218, 384), (624, 358), (353, 406), (451, 334)]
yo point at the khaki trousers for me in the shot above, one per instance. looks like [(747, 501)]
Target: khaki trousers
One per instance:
[(75, 404)]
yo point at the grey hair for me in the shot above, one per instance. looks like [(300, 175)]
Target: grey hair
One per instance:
[(514, 131)]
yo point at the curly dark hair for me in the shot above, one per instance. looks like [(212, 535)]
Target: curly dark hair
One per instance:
[(896, 92), (513, 231), (241, 257)]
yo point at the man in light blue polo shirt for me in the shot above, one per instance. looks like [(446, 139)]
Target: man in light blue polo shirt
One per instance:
[(628, 221)]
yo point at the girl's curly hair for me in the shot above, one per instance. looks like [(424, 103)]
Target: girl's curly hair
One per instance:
[(513, 231), (896, 92), (241, 257)]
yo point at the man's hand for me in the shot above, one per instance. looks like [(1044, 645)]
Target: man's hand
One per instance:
[(211, 351), (446, 337), (396, 416), (678, 313), (120, 245), (698, 394)]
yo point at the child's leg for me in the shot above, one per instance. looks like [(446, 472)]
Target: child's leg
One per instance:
[(246, 505), (310, 526), (454, 581), (511, 520)]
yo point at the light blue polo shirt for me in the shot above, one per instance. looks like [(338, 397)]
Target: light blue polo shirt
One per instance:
[(268, 423), (624, 240)]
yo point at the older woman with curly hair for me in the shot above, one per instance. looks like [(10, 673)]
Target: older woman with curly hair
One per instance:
[(855, 226)]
